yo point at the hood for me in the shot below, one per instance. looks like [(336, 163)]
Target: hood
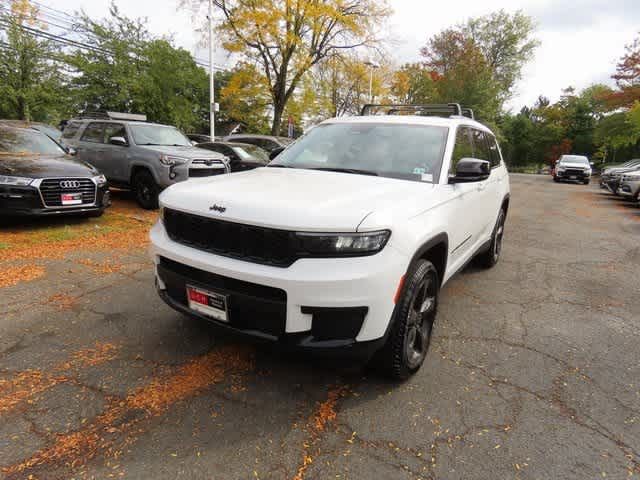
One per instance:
[(40, 166), (622, 170), (574, 165), (296, 199), (185, 152)]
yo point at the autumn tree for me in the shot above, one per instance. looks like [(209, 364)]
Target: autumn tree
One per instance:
[(286, 38), (479, 62)]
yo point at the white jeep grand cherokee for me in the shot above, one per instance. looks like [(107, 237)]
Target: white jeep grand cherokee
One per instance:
[(343, 242)]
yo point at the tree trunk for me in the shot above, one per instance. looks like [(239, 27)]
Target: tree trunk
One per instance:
[(278, 110)]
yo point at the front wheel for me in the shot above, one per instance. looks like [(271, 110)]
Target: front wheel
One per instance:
[(586, 182), (146, 190), (412, 323)]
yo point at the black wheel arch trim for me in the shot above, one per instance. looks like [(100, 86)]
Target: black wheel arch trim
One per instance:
[(439, 239)]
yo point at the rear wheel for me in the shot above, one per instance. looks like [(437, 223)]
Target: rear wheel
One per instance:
[(412, 324), (491, 257), (146, 190)]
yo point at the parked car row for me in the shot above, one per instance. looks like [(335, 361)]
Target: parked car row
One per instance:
[(623, 179), (111, 149)]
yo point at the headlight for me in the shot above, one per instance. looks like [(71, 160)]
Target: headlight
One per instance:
[(100, 180), (21, 181), (327, 244), (170, 160), (561, 168)]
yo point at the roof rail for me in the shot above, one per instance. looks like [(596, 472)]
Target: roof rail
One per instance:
[(433, 109), (133, 117)]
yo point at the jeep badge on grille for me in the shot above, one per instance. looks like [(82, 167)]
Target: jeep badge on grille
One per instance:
[(218, 208)]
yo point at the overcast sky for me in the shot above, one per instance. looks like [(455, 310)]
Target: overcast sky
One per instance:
[(581, 40)]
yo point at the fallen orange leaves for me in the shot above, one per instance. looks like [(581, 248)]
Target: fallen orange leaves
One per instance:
[(62, 301), (325, 414), (29, 383), (74, 449), (101, 267), (14, 275)]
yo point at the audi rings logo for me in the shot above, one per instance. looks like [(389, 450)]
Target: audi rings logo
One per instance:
[(70, 184)]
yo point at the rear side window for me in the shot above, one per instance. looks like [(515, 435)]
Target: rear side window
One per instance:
[(93, 133), (71, 129), (480, 146), (494, 151), (463, 147)]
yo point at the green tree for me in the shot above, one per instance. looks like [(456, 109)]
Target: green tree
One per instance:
[(506, 42), (128, 70), (31, 82)]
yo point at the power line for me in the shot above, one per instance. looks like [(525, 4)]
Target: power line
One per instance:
[(60, 39)]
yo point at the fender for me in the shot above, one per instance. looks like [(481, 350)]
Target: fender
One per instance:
[(435, 240)]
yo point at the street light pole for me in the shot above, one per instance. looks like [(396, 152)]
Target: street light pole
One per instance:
[(372, 65), (212, 105)]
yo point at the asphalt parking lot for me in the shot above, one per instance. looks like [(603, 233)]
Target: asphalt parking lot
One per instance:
[(534, 371)]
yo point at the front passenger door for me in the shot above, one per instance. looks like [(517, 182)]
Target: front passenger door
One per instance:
[(464, 232), (116, 156), (90, 146)]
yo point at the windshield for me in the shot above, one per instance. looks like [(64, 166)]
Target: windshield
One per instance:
[(158, 135), (49, 130), (574, 159), (27, 142), (252, 152), (412, 152)]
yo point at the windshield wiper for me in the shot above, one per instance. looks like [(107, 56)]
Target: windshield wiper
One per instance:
[(279, 165), (346, 170)]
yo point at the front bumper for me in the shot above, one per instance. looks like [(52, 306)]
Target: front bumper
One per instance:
[(629, 189), (168, 175), (27, 201), (572, 175), (315, 303)]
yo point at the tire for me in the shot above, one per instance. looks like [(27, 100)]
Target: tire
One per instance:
[(491, 257), (586, 182), (146, 190), (555, 179), (412, 323)]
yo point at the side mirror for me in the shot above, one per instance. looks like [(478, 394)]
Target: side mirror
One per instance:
[(471, 170), (120, 141), (274, 153), (72, 151), (592, 163)]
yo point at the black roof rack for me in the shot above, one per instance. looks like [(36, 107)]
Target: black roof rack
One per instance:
[(433, 109)]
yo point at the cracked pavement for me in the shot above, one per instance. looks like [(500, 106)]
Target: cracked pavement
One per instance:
[(533, 372)]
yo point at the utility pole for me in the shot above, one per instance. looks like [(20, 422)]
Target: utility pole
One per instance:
[(212, 104), (372, 66)]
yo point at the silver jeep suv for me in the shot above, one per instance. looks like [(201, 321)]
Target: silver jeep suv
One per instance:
[(144, 157)]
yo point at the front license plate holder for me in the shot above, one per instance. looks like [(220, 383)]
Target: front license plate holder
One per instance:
[(208, 303), (71, 199)]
